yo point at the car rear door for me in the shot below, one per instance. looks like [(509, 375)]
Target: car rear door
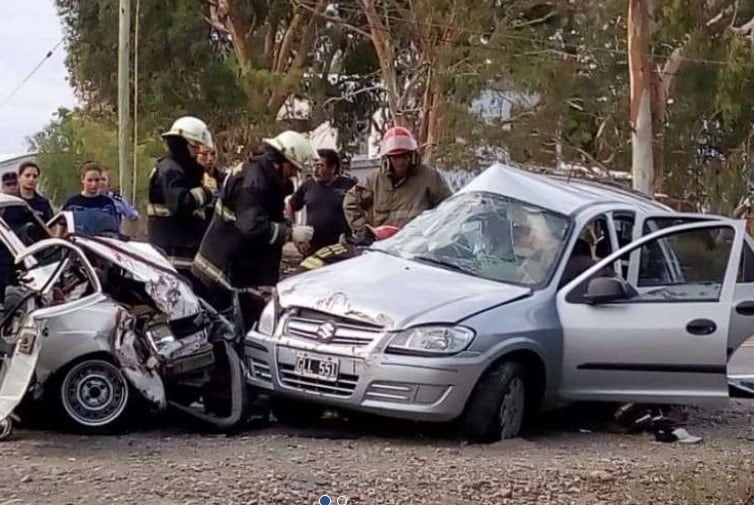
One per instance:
[(666, 344)]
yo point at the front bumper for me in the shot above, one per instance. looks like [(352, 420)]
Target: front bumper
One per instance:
[(408, 387)]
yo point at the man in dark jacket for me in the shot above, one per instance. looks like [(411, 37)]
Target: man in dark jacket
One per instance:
[(243, 245), (322, 197), (177, 198)]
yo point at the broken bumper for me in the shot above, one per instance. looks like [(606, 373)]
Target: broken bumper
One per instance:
[(409, 387)]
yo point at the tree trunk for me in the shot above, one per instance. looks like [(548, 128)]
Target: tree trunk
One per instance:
[(383, 47), (642, 162)]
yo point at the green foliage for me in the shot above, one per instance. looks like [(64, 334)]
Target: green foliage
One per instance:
[(73, 138), (561, 66)]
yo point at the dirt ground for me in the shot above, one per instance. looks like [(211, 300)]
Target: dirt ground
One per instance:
[(384, 462)]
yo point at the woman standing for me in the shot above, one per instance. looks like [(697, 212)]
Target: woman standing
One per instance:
[(28, 179), (20, 218), (94, 212)]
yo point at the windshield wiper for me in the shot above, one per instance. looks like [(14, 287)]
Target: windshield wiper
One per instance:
[(442, 263)]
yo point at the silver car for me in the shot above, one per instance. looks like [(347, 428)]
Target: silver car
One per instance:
[(521, 292), (97, 326)]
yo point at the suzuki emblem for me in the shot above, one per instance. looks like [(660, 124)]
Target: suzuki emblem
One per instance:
[(326, 331)]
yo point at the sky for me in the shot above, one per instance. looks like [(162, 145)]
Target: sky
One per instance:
[(30, 29)]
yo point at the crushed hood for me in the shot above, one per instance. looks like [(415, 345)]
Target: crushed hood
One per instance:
[(394, 293), (171, 295)]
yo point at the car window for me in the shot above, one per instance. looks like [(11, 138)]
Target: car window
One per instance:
[(746, 266), (486, 235), (659, 266), (660, 223), (624, 228), (700, 257), (595, 233), (591, 245)]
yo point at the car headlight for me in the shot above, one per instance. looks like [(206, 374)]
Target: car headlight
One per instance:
[(268, 319), (431, 340)]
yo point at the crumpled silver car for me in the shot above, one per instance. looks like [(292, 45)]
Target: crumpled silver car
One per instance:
[(520, 292), (96, 323)]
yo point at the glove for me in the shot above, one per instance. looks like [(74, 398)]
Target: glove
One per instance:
[(302, 233)]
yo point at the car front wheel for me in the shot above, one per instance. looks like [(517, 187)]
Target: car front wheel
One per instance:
[(497, 406), (94, 395)]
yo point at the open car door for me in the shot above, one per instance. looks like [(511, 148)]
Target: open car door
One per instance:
[(663, 341)]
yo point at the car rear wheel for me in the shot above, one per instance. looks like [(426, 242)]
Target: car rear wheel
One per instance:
[(94, 395), (497, 406)]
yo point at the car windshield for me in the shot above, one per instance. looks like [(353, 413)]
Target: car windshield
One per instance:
[(486, 235)]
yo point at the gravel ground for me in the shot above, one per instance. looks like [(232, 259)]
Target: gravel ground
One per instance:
[(384, 462)]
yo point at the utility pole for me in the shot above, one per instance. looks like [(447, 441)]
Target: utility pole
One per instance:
[(124, 114), (640, 72)]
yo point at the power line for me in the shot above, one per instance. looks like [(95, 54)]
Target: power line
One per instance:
[(29, 76)]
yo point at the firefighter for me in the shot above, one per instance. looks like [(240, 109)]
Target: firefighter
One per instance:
[(399, 191), (243, 245), (177, 198)]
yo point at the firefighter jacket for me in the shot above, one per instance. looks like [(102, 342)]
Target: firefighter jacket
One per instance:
[(379, 200), (176, 214), (244, 243)]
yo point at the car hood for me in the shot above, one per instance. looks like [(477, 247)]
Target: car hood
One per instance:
[(393, 292)]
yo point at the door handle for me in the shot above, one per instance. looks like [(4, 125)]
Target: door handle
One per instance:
[(745, 308), (701, 327)]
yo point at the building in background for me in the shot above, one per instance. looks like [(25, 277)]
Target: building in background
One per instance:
[(10, 163)]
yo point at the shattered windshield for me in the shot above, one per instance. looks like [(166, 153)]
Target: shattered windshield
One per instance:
[(486, 235)]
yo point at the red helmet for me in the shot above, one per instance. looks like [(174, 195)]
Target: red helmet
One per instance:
[(383, 232), (398, 140)]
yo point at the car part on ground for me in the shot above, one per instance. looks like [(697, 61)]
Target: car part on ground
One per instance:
[(6, 428)]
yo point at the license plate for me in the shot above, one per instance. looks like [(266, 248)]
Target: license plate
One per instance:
[(321, 368)]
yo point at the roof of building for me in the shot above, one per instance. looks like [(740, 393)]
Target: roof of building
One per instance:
[(10, 163), (557, 193)]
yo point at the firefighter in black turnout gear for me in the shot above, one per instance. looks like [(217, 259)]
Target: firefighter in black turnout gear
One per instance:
[(177, 198), (243, 246)]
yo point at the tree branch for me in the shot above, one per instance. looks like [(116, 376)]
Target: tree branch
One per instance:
[(333, 19), (285, 44), (350, 94), (217, 25), (307, 39), (533, 22), (745, 29)]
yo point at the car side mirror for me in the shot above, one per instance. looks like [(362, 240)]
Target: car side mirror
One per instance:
[(606, 290)]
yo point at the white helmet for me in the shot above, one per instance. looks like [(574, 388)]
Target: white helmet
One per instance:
[(192, 129), (294, 146)]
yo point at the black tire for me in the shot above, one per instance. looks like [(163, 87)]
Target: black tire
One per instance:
[(296, 413), (93, 396), (497, 407)]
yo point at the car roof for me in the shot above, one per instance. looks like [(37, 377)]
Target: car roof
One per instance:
[(557, 193)]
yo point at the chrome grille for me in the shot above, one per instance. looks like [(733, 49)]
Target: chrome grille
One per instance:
[(343, 387), (308, 324)]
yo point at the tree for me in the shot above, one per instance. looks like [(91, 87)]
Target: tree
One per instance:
[(640, 120), (180, 71), (71, 139)]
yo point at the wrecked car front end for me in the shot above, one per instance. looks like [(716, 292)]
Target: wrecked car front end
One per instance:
[(405, 329), (111, 321)]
